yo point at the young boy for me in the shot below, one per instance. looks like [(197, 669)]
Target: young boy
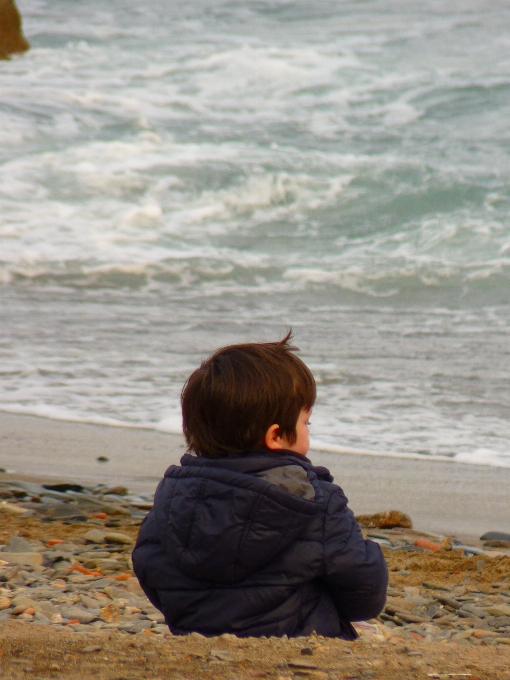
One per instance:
[(246, 536)]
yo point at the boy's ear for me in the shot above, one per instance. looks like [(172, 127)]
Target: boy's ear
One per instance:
[(272, 439)]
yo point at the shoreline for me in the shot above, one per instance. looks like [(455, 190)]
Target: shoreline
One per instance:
[(441, 497)]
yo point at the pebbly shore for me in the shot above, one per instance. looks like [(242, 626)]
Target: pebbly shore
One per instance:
[(65, 561)]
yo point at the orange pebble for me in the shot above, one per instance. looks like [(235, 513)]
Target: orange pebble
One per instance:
[(428, 545), (72, 622), (55, 541), (146, 630), (101, 515), (29, 610), (123, 577), (82, 570), (417, 636)]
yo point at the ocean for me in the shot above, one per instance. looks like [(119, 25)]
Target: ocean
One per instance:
[(179, 176)]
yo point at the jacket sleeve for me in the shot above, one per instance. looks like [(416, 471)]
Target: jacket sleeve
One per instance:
[(355, 572)]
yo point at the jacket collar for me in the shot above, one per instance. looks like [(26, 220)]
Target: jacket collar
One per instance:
[(258, 460)]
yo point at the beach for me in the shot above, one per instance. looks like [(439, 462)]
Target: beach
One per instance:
[(441, 497), (175, 178), (71, 607)]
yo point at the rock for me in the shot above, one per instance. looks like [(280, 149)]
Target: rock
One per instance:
[(112, 509), (134, 627), (46, 608), (386, 520), (12, 40), (9, 508), (106, 566), (90, 648), (498, 610), (448, 601), (65, 486), (23, 602), (395, 604), (473, 611), (500, 621), (39, 617), (95, 536), (102, 459), (5, 602), (78, 613), (495, 536), (25, 559), (12, 492), (110, 613), (117, 537), (65, 511), (428, 545), (17, 544), (117, 491)]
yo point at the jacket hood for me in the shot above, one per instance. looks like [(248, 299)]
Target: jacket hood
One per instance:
[(218, 522)]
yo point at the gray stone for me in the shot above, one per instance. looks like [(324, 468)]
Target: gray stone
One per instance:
[(106, 566), (117, 537), (65, 486), (471, 610), (41, 618), (44, 592), (495, 536), (134, 627), (95, 536), (498, 610), (116, 491), (23, 601), (64, 510), (94, 555), (73, 612), (17, 544), (25, 559), (46, 608)]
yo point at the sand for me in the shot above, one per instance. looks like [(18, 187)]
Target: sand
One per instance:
[(441, 497)]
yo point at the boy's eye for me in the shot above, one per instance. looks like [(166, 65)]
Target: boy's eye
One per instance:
[(308, 423)]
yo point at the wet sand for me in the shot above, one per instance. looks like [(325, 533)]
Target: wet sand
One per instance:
[(441, 497)]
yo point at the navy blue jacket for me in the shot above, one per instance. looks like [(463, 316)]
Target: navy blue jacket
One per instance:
[(224, 550)]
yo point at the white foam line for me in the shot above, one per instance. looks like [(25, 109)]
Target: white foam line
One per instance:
[(92, 420), (333, 448)]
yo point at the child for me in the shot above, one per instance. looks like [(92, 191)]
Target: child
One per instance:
[(246, 536)]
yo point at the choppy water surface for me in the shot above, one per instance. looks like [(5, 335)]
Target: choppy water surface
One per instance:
[(177, 177)]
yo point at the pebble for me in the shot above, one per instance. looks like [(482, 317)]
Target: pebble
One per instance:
[(49, 583), (74, 582)]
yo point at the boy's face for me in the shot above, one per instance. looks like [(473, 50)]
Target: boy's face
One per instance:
[(302, 443)]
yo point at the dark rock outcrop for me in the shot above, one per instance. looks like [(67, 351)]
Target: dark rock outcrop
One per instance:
[(12, 39)]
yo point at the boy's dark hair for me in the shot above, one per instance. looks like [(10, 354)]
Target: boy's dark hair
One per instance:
[(229, 403)]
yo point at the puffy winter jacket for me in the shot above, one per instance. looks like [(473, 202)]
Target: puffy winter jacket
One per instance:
[(258, 544)]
